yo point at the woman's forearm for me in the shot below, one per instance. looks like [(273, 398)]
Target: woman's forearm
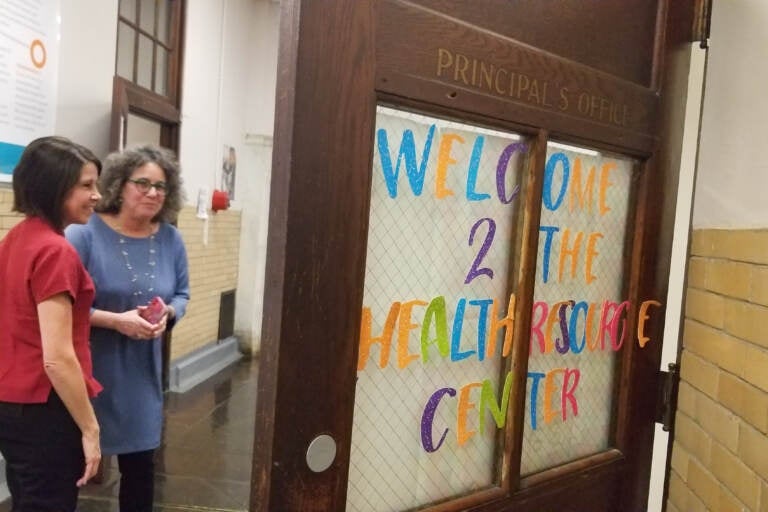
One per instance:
[(66, 377), (60, 361), (105, 319)]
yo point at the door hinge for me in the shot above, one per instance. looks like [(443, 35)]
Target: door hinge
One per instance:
[(666, 404), (702, 21)]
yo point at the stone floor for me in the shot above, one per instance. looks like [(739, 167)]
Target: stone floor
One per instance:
[(204, 462)]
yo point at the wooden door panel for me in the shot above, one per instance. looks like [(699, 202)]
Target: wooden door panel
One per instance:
[(593, 33), (426, 55)]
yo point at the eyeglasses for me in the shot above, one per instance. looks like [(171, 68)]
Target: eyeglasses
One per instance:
[(144, 185)]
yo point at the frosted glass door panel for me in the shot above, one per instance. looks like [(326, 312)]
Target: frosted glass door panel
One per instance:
[(579, 311), (434, 345)]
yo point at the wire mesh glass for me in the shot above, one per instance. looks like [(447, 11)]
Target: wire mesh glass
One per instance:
[(445, 198), (578, 317)]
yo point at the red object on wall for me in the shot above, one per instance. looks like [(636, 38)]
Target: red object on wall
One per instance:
[(219, 200)]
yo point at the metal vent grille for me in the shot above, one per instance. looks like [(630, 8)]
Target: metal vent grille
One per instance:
[(227, 314)]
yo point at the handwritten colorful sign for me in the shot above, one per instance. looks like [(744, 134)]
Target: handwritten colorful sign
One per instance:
[(439, 308)]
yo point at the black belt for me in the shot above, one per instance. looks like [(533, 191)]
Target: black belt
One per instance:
[(12, 409), (17, 409)]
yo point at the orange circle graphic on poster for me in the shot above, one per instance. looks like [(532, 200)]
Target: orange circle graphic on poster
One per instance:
[(37, 53)]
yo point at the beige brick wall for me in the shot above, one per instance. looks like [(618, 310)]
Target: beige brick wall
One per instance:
[(7, 219), (212, 269), (720, 454)]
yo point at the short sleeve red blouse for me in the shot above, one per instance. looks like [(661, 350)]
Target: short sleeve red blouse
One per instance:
[(36, 263)]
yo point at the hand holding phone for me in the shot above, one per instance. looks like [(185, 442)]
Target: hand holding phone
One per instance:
[(153, 311)]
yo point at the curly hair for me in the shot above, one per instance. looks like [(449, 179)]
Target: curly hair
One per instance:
[(119, 166)]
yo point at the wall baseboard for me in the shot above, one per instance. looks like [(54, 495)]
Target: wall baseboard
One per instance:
[(190, 370)]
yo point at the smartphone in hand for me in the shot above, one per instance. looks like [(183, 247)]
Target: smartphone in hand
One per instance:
[(154, 310)]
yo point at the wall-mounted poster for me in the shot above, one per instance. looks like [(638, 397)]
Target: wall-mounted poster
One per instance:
[(228, 167), (29, 51)]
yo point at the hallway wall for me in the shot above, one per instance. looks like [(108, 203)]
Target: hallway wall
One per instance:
[(720, 453), (720, 457), (228, 98), (733, 171), (228, 88), (212, 271)]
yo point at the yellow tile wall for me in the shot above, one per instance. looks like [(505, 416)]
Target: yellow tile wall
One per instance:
[(7, 219), (212, 269), (213, 264), (720, 453)]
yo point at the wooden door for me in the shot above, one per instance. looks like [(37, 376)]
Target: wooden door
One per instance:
[(468, 247)]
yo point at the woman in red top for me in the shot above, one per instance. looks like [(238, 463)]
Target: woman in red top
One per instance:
[(49, 436)]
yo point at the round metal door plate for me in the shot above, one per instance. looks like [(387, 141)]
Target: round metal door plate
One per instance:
[(321, 453)]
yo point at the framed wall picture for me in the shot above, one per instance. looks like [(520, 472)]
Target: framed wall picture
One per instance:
[(228, 168)]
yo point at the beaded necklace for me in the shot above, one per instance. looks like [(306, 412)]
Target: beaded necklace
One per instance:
[(149, 276)]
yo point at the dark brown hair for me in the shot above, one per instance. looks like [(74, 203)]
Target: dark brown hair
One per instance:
[(47, 171)]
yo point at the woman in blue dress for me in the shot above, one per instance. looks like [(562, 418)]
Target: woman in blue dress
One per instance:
[(133, 254)]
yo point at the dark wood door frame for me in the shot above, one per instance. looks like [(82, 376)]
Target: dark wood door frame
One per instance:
[(314, 253)]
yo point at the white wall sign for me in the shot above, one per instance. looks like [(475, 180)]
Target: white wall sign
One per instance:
[(29, 50)]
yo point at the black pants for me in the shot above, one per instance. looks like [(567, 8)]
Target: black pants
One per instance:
[(43, 450), (137, 481)]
